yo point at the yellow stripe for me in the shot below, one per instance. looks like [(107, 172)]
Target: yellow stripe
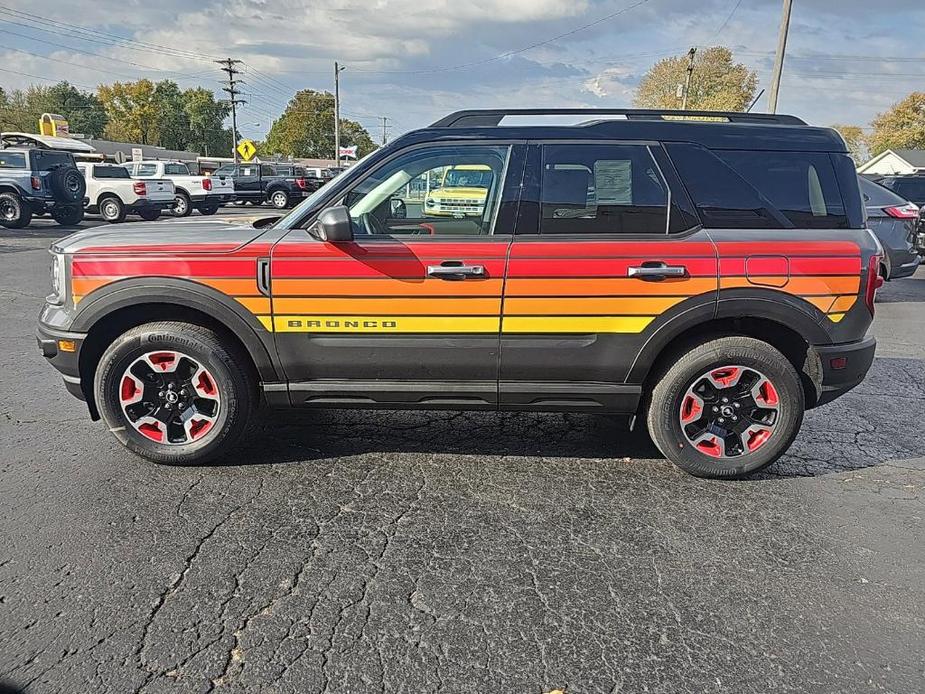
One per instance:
[(836, 317), (575, 324), (589, 306), (382, 324)]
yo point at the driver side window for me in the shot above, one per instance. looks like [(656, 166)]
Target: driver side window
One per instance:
[(431, 191)]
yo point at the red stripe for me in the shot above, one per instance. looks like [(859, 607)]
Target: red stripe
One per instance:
[(192, 267), (778, 265), (788, 248), (568, 248), (449, 250), (601, 267), (373, 267)]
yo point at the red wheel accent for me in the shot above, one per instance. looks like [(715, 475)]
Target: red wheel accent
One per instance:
[(690, 409), (206, 384), (129, 389), (727, 376), (163, 360), (711, 447), (769, 394), (198, 428), (152, 431), (756, 439)]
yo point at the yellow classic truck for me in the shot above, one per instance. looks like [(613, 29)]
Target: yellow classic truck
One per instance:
[(462, 192)]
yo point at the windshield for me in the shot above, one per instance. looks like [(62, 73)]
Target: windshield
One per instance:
[(912, 189), (467, 178)]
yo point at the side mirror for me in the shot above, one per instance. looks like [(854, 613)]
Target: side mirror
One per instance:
[(334, 225)]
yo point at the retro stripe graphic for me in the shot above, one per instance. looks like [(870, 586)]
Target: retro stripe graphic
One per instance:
[(552, 287)]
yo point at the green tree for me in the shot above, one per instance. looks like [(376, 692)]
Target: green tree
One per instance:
[(306, 128), (173, 128), (133, 111), (717, 83), (84, 112), (856, 140), (902, 127), (206, 116)]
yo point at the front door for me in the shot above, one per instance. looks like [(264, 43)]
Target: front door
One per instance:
[(607, 251), (408, 313)]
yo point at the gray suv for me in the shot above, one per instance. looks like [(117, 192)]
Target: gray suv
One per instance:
[(38, 181)]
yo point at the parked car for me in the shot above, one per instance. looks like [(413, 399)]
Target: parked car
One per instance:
[(713, 279), (113, 193), (912, 188), (34, 181), (894, 221), (259, 183), (191, 192), (313, 182)]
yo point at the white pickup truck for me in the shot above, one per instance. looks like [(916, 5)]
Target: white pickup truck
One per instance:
[(113, 193), (203, 193)]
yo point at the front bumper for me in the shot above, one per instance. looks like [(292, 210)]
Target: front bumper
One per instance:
[(844, 367), (62, 350)]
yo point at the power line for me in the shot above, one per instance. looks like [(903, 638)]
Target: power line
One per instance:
[(46, 79)]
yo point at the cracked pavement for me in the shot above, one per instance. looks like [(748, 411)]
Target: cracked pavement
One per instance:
[(444, 552)]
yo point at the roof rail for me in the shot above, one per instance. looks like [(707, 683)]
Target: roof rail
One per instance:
[(488, 118)]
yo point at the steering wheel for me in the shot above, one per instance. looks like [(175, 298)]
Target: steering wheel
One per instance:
[(372, 225)]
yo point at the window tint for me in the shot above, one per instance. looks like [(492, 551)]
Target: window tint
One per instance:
[(911, 189), (801, 185), (267, 170), (225, 170), (176, 170), (110, 172), (145, 169), (410, 194), (877, 196), (602, 189), (12, 160), (46, 160)]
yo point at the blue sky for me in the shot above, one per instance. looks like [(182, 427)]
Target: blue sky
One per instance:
[(413, 61)]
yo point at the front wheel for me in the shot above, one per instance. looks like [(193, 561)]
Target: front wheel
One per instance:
[(727, 408), (149, 215), (209, 209), (14, 212), (175, 393), (181, 205), (112, 210), (279, 199)]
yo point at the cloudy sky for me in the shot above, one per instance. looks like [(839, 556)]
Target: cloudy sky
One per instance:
[(415, 60)]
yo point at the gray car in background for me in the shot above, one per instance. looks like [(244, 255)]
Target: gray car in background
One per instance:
[(894, 221)]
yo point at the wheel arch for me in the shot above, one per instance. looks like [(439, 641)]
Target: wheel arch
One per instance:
[(108, 312), (786, 325)]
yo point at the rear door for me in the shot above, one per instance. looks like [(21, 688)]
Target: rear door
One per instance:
[(247, 182), (607, 250), (408, 313)]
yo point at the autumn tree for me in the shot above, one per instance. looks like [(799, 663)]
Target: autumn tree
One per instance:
[(717, 83), (902, 127), (856, 140), (306, 129), (133, 111)]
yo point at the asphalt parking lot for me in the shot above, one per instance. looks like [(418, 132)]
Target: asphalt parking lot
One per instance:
[(426, 552)]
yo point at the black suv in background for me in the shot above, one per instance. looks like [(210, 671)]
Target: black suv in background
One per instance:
[(258, 183), (38, 181), (895, 223), (911, 188)]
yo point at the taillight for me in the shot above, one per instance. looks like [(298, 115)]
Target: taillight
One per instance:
[(300, 182), (909, 211), (140, 188), (874, 281), (36, 183), (207, 184)]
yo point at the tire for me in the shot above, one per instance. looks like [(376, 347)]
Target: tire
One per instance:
[(693, 446), (208, 209), (149, 215), (181, 205), (279, 199), (112, 210), (14, 212), (67, 184), (229, 411), (68, 216)]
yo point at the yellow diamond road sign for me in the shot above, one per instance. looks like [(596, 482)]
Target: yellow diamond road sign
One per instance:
[(247, 150)]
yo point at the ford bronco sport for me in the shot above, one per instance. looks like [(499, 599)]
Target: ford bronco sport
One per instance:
[(712, 278)]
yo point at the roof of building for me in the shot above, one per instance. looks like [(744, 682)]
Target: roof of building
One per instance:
[(914, 157), (110, 149)]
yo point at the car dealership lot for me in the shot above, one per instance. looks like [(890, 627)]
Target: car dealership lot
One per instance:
[(379, 551)]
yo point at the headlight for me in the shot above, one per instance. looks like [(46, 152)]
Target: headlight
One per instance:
[(430, 202), (58, 280)]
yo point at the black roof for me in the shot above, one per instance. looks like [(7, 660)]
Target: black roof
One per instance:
[(715, 130)]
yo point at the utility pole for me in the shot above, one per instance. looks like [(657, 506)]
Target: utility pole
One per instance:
[(690, 73), (385, 126), (233, 92), (337, 71), (779, 60)]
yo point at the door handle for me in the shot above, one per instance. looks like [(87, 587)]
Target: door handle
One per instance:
[(455, 270), (656, 270)]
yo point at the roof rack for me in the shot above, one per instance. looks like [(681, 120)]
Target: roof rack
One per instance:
[(488, 118)]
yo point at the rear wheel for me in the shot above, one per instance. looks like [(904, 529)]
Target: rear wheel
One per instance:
[(727, 408), (149, 215), (181, 205), (112, 210), (175, 393), (14, 213), (68, 216)]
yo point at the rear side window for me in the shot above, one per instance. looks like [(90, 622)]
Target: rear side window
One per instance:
[(110, 172), (46, 160), (226, 170), (761, 190), (12, 160), (176, 170), (876, 195), (910, 189), (602, 189)]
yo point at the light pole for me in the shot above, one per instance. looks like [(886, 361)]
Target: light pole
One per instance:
[(337, 70), (779, 59)]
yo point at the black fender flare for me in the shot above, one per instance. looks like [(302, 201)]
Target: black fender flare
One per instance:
[(188, 293)]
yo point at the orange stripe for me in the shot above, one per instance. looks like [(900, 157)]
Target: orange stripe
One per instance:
[(242, 287), (608, 286), (255, 304), (387, 287), (589, 306), (800, 285), (391, 307), (843, 303), (82, 286)]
